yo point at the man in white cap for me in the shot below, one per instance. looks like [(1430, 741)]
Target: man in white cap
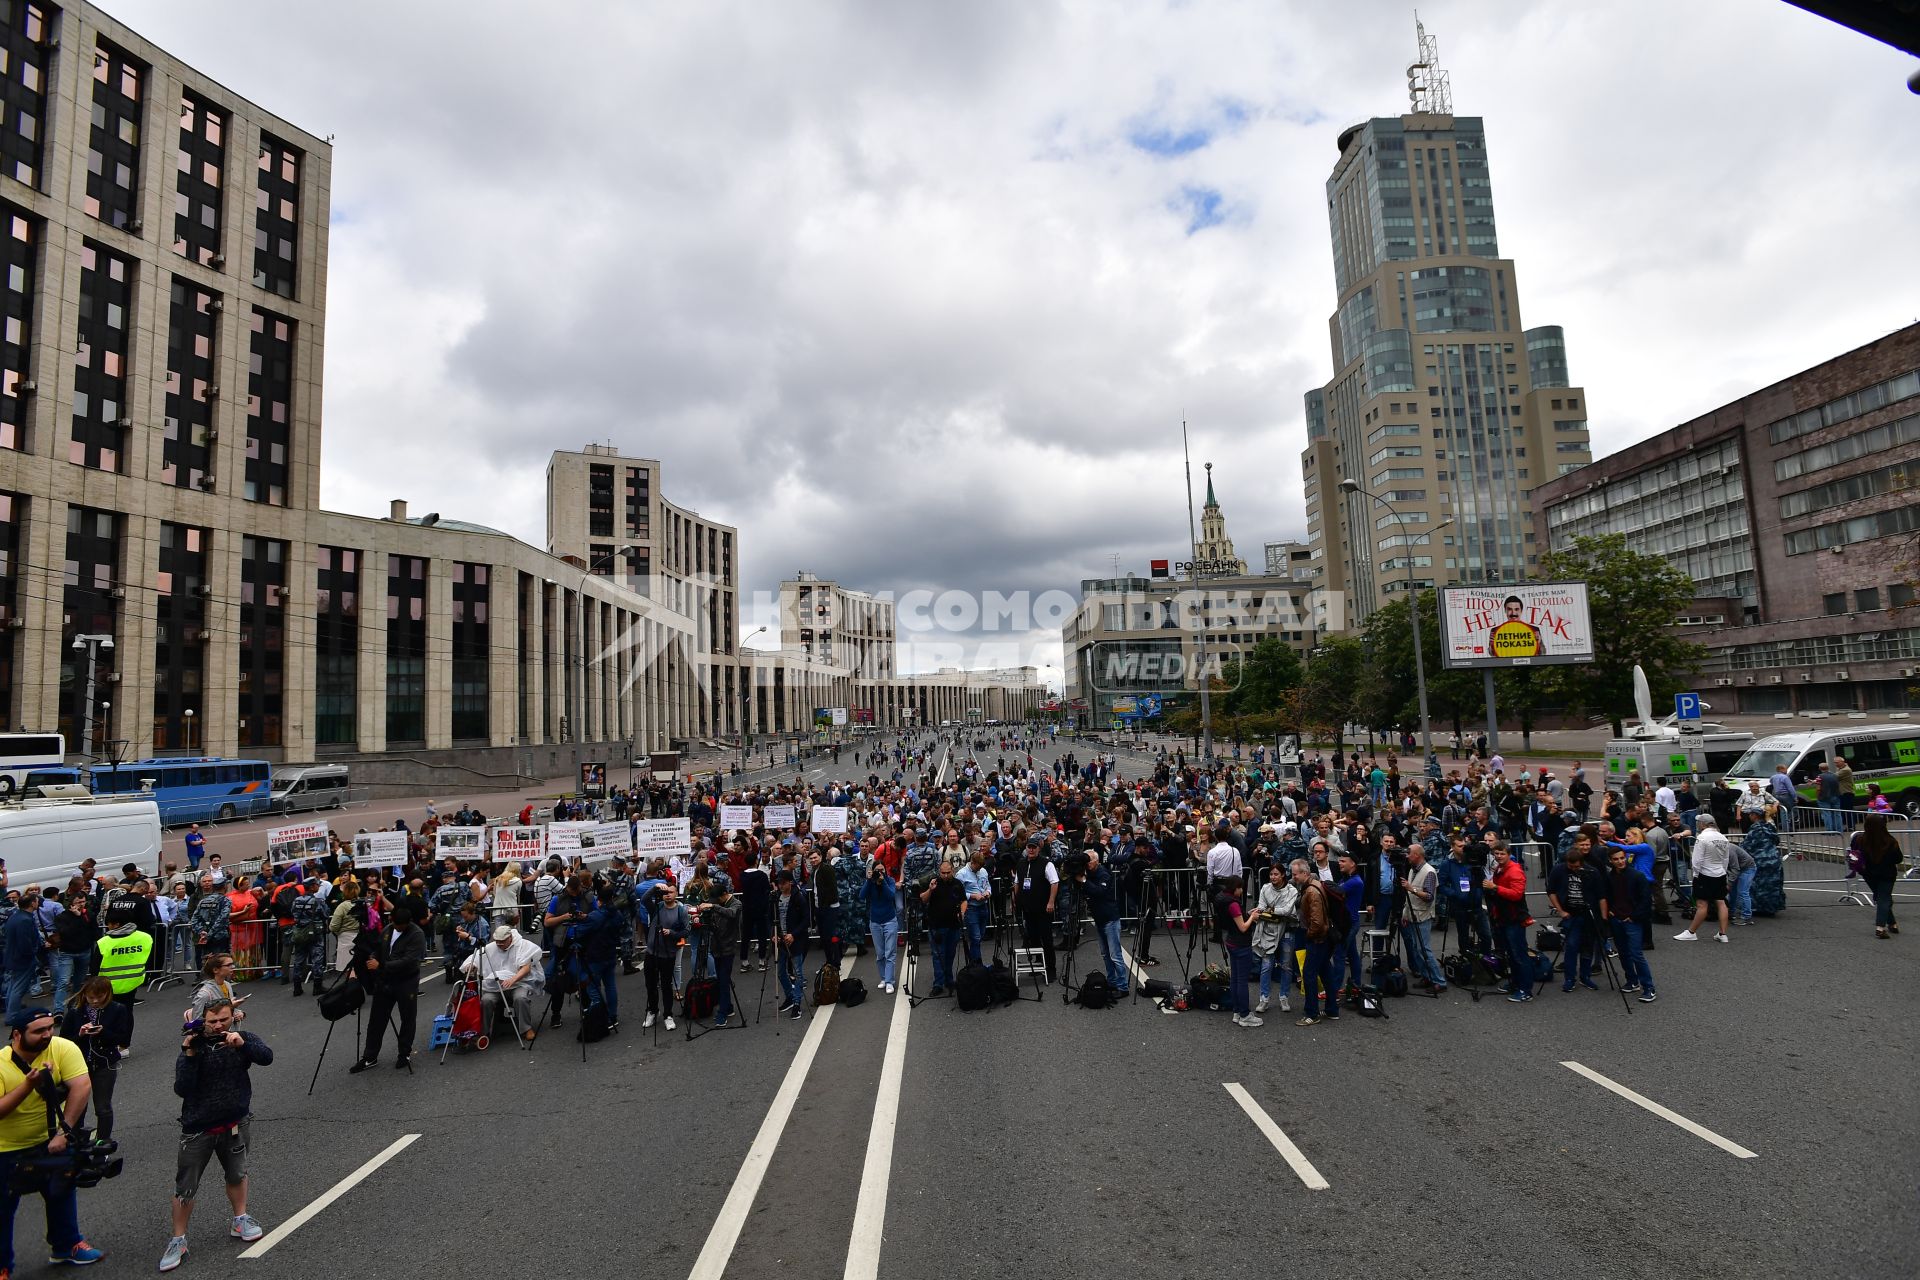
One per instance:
[(508, 970)]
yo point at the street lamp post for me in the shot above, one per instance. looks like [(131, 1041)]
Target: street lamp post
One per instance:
[(745, 670), (93, 644), (1413, 615), (189, 715)]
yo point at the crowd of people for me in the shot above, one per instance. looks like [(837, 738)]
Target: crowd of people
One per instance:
[(1305, 875)]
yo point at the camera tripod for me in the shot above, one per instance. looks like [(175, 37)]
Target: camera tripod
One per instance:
[(910, 973), (1595, 940), (1396, 948), (1070, 929)]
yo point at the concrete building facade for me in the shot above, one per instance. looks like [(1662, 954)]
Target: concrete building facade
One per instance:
[(1794, 510)]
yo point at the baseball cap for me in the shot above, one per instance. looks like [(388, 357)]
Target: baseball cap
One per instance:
[(502, 932)]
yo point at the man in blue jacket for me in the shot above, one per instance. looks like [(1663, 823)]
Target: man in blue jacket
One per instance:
[(216, 1109), (21, 944), (1629, 913)]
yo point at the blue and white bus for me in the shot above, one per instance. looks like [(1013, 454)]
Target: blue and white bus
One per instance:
[(209, 789), (24, 753)]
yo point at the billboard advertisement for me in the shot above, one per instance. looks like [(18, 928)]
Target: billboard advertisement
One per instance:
[(1515, 625)]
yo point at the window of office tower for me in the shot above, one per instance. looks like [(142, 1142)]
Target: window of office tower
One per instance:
[(263, 640), (23, 89), (18, 249), (406, 649), (336, 645), (471, 634), (599, 501), (100, 360), (202, 164), (113, 143), (88, 574), (639, 512), (179, 642), (186, 450), (269, 407), (276, 221), (12, 507)]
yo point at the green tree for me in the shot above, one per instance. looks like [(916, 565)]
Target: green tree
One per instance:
[(1260, 681), (1327, 694), (1389, 693), (1633, 599)]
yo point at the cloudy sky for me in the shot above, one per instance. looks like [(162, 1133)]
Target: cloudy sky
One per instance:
[(917, 294)]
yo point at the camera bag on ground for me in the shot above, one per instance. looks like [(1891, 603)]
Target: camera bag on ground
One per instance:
[(1549, 939), (593, 1023), (1459, 970), (703, 996), (1005, 987), (1208, 993), (1095, 992), (852, 992), (973, 987), (341, 1000), (1158, 989), (1543, 965), (826, 985), (1370, 1004), (1393, 983)]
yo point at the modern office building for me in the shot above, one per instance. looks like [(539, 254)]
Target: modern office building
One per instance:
[(1292, 560), (1796, 510), (1137, 635), (1442, 402), (168, 582)]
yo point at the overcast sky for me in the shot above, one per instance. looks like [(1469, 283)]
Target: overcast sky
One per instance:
[(917, 294)]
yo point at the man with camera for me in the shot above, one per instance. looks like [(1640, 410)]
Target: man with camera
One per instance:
[(395, 968), (44, 1090), (212, 1079), (1578, 892), (1103, 903)]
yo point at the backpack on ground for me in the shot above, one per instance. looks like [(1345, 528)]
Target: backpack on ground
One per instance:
[(703, 997), (1095, 992), (1005, 987), (973, 987), (1393, 983), (852, 992), (1549, 938), (826, 985), (1158, 989), (594, 1026)]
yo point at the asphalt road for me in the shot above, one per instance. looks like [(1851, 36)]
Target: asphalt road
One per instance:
[(1044, 1139)]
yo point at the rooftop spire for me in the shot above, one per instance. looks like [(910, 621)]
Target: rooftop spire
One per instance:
[(1428, 87), (1211, 500)]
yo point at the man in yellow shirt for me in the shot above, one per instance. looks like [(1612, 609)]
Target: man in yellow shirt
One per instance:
[(27, 1130)]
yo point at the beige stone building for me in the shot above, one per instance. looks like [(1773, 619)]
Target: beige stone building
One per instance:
[(160, 418), (1442, 403)]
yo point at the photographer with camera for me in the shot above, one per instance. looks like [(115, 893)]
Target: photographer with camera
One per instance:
[(668, 925), (44, 1090), (395, 968), (882, 898), (1036, 894), (1103, 903), (1578, 892), (211, 1078), (943, 901)]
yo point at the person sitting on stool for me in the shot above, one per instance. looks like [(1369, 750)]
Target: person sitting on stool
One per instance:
[(509, 971), (396, 987)]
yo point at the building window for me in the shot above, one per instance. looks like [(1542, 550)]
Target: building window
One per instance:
[(471, 656), (100, 360), (12, 507), (1834, 604), (406, 649), (113, 143), (639, 505), (269, 407), (1866, 599), (19, 251), (263, 640), (202, 164), (599, 501), (88, 576), (276, 223), (336, 689), (23, 91), (180, 641), (1899, 596), (639, 570), (186, 452), (1839, 410)]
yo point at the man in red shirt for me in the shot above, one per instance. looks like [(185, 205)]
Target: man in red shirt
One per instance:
[(893, 852), (1506, 886)]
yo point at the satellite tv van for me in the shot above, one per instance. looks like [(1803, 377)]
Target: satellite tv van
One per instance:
[(1888, 754), (43, 843), (1701, 758)]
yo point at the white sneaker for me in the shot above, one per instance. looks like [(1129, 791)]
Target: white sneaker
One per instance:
[(647, 1022), (1722, 937), (1262, 1006), (1284, 1008), (1251, 1020), (669, 1022), (1688, 935)]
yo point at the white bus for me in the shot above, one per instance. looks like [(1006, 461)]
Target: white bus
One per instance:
[(23, 753), (1888, 754)]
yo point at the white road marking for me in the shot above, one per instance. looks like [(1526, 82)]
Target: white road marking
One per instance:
[(732, 1218), (338, 1189), (1133, 967), (1281, 1142), (1673, 1117), (870, 1209)]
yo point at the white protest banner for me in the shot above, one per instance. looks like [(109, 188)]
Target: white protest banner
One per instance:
[(610, 838), (827, 817), (569, 838), (736, 817), (778, 817), (464, 843), (291, 844), (380, 849), (665, 836), (519, 844)]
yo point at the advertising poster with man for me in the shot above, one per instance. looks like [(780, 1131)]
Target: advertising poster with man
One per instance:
[(1515, 624)]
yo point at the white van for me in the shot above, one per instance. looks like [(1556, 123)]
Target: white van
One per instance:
[(313, 786), (1888, 754), (44, 843)]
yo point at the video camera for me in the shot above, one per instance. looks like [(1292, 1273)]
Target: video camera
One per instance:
[(84, 1163)]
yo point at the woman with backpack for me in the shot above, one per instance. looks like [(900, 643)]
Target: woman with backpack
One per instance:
[(1879, 856)]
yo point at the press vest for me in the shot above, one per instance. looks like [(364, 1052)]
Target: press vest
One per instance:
[(123, 961)]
